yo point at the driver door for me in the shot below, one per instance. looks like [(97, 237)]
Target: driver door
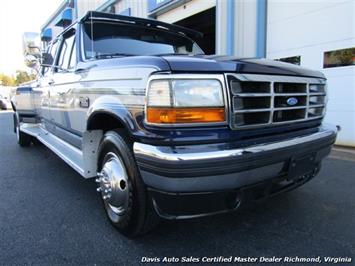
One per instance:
[(62, 89)]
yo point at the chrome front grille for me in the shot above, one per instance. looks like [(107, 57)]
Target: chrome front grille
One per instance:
[(263, 100)]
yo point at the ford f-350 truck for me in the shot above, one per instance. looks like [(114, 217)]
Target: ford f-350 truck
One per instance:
[(165, 130)]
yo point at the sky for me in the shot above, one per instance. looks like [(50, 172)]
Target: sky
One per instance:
[(17, 17)]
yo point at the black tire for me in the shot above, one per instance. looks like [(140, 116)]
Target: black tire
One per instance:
[(36, 142), (140, 216), (23, 139)]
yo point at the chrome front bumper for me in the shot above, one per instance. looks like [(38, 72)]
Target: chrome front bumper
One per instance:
[(215, 167)]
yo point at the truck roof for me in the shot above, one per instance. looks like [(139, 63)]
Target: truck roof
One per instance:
[(141, 21)]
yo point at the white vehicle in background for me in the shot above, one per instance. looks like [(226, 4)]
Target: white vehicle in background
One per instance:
[(25, 97)]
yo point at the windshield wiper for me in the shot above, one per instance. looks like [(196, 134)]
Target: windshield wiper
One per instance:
[(111, 55)]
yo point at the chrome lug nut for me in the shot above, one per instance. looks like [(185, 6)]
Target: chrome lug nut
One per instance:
[(99, 189), (98, 180), (106, 197)]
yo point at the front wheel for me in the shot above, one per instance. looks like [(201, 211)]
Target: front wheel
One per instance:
[(123, 192)]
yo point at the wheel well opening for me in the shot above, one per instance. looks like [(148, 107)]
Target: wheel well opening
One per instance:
[(104, 122)]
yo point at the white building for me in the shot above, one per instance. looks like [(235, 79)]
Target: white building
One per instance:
[(318, 34), (309, 29)]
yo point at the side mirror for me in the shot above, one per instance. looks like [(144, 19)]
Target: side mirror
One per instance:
[(47, 59), (31, 44)]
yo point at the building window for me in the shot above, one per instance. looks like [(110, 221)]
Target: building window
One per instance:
[(296, 60), (339, 58)]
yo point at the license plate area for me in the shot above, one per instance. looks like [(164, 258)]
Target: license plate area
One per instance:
[(300, 166)]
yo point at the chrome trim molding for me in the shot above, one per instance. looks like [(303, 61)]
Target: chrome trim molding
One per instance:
[(165, 153)]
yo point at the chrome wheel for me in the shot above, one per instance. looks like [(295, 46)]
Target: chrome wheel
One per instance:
[(114, 186), (124, 195)]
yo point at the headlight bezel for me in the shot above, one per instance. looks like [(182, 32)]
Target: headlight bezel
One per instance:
[(219, 77)]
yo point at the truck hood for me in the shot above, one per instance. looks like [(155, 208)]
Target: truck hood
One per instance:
[(205, 64), (214, 63)]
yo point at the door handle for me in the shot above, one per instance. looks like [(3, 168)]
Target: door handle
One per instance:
[(51, 82)]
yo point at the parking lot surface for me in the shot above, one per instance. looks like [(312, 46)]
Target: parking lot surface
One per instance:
[(50, 215)]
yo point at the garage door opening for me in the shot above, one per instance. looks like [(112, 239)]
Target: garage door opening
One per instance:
[(204, 22)]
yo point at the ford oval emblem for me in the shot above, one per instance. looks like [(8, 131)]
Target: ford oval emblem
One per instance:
[(292, 101)]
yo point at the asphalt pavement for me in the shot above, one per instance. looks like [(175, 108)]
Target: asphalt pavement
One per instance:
[(49, 215)]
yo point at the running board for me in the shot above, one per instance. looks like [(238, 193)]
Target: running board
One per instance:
[(83, 161)]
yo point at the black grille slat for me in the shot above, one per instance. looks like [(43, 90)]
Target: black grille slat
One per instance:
[(284, 87), (317, 88), (240, 103), (315, 112), (289, 115), (250, 87), (253, 118), (316, 100), (273, 100)]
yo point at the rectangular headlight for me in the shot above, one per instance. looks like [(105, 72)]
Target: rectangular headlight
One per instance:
[(175, 101), (190, 93)]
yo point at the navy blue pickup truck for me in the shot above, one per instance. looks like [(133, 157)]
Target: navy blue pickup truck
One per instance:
[(165, 130)]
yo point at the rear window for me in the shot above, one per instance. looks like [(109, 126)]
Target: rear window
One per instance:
[(104, 38)]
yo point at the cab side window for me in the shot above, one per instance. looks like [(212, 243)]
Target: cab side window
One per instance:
[(65, 52), (52, 50)]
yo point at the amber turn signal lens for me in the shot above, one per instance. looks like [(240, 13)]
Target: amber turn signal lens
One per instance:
[(164, 115)]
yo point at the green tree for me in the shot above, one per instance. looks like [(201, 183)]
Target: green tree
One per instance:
[(23, 76), (7, 80)]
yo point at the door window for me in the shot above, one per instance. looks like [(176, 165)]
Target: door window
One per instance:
[(65, 52), (52, 49)]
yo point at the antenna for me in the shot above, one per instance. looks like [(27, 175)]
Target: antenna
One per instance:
[(92, 35)]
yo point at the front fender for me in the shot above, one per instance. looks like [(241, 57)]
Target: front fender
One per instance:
[(112, 107)]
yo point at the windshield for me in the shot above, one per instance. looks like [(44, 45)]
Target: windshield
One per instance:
[(103, 38)]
